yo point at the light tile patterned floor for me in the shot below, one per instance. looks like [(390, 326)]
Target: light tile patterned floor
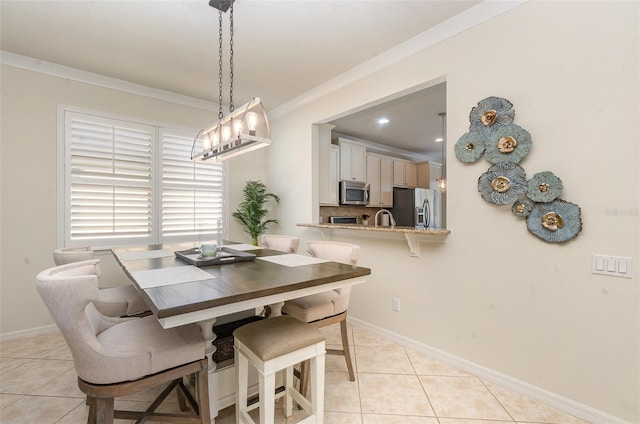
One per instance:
[(394, 385)]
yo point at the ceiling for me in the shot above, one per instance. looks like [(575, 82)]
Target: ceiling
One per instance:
[(414, 123), (282, 49)]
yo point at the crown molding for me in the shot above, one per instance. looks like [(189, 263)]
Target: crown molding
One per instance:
[(455, 25), (471, 17), (54, 69)]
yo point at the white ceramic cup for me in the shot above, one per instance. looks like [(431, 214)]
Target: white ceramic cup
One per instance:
[(208, 250)]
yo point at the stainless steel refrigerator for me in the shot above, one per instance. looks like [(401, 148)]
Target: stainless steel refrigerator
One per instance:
[(418, 207)]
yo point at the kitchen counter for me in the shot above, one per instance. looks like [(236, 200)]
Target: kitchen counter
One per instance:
[(411, 234)]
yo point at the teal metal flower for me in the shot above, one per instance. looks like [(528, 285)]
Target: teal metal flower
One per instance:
[(544, 187), (490, 114), (509, 143), (470, 147), (522, 207), (555, 222), (503, 183)]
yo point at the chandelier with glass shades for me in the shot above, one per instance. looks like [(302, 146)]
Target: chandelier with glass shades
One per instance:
[(243, 129)]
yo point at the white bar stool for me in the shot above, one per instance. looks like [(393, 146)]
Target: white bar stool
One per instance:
[(272, 345)]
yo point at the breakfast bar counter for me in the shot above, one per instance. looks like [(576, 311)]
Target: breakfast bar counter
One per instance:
[(413, 235)]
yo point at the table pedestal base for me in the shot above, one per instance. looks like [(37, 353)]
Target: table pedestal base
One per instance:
[(206, 328)]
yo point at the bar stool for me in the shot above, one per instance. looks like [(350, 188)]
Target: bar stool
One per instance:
[(272, 345)]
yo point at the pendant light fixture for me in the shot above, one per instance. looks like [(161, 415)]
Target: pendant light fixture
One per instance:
[(243, 129), (442, 181)]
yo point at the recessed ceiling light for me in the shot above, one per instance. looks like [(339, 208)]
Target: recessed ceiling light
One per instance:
[(439, 140), (383, 121)]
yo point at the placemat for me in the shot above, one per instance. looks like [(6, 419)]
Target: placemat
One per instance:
[(167, 276), (292, 260)]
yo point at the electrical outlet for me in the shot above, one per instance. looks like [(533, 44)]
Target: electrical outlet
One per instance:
[(395, 304)]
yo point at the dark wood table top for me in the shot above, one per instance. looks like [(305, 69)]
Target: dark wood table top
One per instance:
[(234, 283)]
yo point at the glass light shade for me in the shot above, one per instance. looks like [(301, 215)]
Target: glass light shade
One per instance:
[(243, 130)]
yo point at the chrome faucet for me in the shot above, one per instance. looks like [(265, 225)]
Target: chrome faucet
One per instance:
[(391, 220)]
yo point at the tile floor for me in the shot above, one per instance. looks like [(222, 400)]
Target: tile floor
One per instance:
[(394, 385)]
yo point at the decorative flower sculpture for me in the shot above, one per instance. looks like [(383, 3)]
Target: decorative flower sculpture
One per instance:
[(522, 207), (509, 143), (505, 144), (555, 222), (490, 114), (470, 147), (544, 187), (503, 183)]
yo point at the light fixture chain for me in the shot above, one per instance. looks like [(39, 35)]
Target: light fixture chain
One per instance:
[(220, 114), (231, 107)]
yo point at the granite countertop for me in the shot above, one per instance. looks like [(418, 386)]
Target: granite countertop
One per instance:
[(406, 230)]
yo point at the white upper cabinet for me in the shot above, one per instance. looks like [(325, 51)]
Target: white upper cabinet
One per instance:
[(404, 173), (380, 179), (333, 180), (328, 166), (352, 160)]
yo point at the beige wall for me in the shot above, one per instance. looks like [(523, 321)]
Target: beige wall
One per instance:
[(28, 178), (493, 293)]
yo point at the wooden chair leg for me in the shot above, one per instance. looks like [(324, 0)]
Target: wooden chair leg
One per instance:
[(345, 348), (104, 410), (91, 419)]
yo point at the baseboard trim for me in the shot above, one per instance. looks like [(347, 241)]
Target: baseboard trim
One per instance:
[(557, 401), (31, 332)]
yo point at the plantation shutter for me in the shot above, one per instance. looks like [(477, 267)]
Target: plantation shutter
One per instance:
[(192, 191), (109, 181)]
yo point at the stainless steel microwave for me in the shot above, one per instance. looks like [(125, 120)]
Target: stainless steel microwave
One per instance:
[(354, 193)]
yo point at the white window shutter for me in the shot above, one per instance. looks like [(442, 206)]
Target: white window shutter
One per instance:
[(192, 191), (130, 183), (109, 181)]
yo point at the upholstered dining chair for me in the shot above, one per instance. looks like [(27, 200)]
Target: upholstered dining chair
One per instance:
[(113, 301), (282, 243), (116, 357), (330, 307)]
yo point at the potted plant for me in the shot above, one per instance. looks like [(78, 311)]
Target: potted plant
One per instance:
[(251, 212)]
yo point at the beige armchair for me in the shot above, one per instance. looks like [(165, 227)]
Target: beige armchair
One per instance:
[(329, 307), (116, 357), (113, 301), (282, 243)]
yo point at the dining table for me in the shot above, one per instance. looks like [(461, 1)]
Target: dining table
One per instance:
[(182, 288)]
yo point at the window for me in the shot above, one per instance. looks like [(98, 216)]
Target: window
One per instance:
[(134, 183)]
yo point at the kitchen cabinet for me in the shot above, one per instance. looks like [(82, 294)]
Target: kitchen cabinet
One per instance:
[(380, 179), (333, 178), (329, 160), (352, 160), (404, 173), (423, 175)]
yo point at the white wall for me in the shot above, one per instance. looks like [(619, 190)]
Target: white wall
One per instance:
[(493, 293), (28, 178)]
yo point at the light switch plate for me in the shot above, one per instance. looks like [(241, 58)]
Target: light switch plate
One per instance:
[(615, 266)]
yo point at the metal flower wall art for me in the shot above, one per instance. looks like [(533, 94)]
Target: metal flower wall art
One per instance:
[(493, 134), (503, 183)]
